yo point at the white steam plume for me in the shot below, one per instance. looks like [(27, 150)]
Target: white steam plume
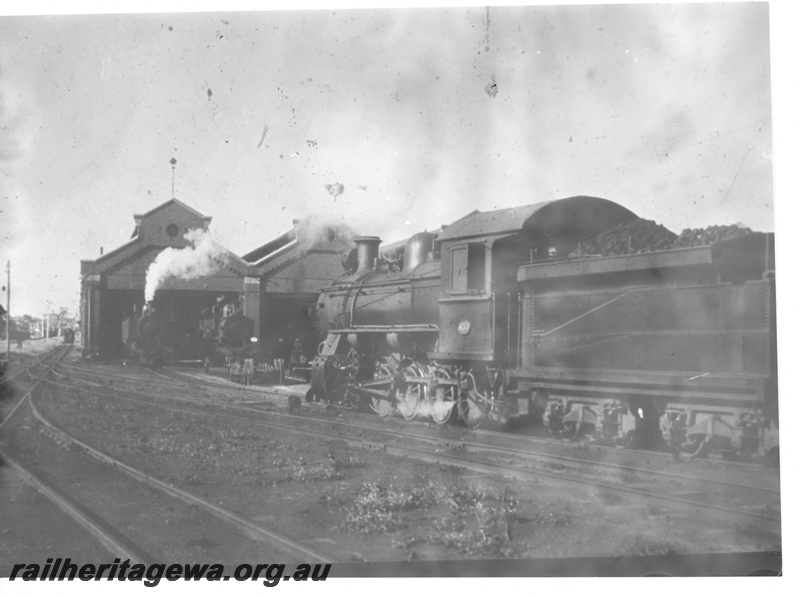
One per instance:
[(315, 228), (200, 259)]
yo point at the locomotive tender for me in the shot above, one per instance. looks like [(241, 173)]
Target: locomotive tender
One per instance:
[(491, 318)]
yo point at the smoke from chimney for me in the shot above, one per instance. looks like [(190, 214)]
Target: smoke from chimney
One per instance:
[(188, 263)]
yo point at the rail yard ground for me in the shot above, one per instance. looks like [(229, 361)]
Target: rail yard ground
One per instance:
[(188, 468)]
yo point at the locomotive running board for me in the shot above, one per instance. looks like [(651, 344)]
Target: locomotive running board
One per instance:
[(385, 329)]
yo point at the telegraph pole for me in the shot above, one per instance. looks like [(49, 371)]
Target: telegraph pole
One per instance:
[(8, 310)]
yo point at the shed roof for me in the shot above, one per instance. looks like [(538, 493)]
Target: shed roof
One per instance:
[(172, 201), (147, 242), (265, 250)]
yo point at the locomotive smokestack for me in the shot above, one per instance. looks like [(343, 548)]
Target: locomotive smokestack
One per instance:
[(367, 252)]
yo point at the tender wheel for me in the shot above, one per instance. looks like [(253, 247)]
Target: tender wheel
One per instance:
[(414, 393), (444, 400), (384, 408), (472, 404)]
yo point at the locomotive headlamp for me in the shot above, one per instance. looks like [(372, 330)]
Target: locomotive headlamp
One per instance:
[(464, 327)]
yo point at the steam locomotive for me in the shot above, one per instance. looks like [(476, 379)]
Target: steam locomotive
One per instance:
[(219, 334), (493, 317)]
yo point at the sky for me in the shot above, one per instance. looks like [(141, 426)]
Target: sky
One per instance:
[(392, 121)]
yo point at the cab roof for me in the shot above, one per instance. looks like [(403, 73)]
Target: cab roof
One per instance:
[(578, 216)]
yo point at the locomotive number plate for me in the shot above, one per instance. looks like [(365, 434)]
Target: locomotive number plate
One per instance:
[(464, 327)]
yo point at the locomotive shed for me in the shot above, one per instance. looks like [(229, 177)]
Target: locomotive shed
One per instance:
[(269, 285)]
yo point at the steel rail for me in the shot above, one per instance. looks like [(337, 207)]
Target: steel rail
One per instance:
[(32, 377), (435, 456), (109, 537), (194, 382), (37, 362), (221, 513), (486, 447)]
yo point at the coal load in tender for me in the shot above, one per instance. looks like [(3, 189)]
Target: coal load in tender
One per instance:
[(695, 237), (644, 236), (637, 236)]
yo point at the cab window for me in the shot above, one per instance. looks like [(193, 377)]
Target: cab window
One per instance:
[(468, 269), (476, 268)]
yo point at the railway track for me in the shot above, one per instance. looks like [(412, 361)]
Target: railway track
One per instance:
[(472, 455), (244, 525), (134, 513), (182, 379), (533, 444), (507, 444), (124, 508), (57, 354), (108, 536)]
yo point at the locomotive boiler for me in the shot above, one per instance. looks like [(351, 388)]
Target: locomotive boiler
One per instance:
[(379, 323), (499, 316)]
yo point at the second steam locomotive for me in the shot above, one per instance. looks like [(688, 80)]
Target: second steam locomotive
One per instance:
[(218, 333)]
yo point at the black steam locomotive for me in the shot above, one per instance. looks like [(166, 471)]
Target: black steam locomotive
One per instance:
[(494, 317), (219, 334)]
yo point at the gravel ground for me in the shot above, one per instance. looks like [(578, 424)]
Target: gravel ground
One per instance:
[(364, 505), (32, 528)]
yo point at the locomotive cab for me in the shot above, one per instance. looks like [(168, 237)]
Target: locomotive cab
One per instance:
[(479, 305)]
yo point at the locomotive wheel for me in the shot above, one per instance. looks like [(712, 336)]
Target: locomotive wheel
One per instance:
[(444, 399), (384, 408), (472, 409), (414, 393), (472, 405)]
